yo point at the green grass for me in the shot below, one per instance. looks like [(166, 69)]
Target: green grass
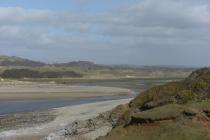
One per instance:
[(178, 92), (199, 105), (166, 112)]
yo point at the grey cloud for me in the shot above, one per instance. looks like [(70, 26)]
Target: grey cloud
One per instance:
[(124, 34)]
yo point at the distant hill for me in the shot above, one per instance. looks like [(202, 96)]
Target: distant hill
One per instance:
[(82, 64), (17, 61), (92, 70), (175, 111)]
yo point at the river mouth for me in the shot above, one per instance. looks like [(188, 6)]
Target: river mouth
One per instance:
[(32, 114), (28, 105)]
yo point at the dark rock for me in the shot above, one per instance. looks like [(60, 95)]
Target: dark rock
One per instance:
[(190, 112)]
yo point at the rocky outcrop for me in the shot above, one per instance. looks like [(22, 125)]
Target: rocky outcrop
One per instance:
[(87, 129)]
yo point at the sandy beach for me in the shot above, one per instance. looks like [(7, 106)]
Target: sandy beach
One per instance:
[(65, 115), (37, 91)]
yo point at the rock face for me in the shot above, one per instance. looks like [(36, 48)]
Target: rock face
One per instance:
[(86, 129)]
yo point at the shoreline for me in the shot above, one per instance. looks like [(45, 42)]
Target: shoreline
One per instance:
[(64, 116), (57, 91), (33, 96), (28, 106)]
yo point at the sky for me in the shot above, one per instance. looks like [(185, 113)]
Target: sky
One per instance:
[(139, 32)]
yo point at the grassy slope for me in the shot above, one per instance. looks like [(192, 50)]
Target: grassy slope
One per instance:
[(112, 72), (175, 111), (94, 71)]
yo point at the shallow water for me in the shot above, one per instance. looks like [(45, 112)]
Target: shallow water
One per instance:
[(7, 107)]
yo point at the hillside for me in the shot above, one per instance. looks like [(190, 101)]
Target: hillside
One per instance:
[(90, 70), (17, 61), (175, 111), (82, 64), (28, 73)]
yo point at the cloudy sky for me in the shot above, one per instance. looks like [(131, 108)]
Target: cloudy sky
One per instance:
[(141, 32)]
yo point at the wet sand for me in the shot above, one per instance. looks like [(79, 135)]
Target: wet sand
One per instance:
[(55, 91), (25, 138)]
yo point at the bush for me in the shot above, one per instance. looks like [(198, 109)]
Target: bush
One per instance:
[(27, 73), (20, 73)]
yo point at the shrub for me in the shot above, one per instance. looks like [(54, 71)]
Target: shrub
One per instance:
[(27, 73)]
